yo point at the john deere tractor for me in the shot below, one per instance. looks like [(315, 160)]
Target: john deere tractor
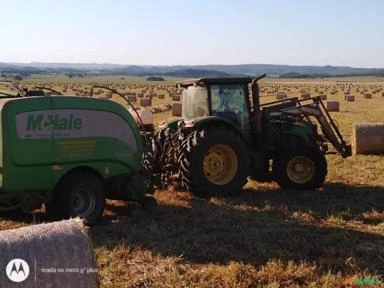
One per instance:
[(225, 135)]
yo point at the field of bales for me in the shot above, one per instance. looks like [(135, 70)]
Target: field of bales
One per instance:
[(263, 237)]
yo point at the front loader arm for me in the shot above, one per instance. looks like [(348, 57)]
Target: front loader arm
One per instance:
[(304, 108), (329, 128)]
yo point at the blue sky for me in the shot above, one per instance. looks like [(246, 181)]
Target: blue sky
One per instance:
[(297, 32)]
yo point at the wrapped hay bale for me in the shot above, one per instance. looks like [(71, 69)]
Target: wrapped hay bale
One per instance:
[(176, 109), (350, 98), (369, 138), (333, 106), (57, 254)]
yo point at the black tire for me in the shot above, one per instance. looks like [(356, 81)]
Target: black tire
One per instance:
[(195, 150), (79, 194), (162, 161), (309, 158)]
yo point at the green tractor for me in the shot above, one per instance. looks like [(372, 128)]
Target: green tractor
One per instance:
[(225, 135)]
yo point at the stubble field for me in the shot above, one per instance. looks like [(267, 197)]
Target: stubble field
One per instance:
[(263, 237)]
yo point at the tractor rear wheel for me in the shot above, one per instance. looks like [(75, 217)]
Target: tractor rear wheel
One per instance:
[(213, 162), (302, 167)]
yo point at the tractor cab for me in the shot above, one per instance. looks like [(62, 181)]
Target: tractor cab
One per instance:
[(222, 97)]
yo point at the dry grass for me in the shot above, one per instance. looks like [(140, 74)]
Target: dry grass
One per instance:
[(265, 237)]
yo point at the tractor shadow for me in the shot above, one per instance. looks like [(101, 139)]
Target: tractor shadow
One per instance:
[(259, 226)]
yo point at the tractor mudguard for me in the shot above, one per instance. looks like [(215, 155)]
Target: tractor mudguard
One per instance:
[(202, 122), (171, 124)]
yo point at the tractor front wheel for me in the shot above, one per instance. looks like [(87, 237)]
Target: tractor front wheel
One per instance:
[(302, 167), (213, 162)]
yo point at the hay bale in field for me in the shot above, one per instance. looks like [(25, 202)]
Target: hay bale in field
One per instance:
[(350, 98), (43, 250), (163, 108), (176, 97), (281, 95), (161, 96), (323, 97), (333, 106), (132, 98), (368, 95), (368, 138), (305, 95), (145, 115), (155, 110), (176, 109), (144, 102), (382, 94)]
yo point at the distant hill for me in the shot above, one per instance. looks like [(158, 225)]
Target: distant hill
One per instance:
[(188, 70)]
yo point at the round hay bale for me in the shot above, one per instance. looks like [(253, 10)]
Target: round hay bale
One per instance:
[(144, 102), (369, 138), (350, 98), (57, 254), (176, 109), (145, 114), (333, 106), (163, 108)]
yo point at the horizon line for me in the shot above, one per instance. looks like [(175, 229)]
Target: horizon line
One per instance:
[(171, 65)]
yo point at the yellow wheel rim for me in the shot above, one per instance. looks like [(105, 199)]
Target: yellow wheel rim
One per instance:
[(220, 164), (301, 169)]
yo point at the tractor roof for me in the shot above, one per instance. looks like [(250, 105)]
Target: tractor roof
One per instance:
[(210, 81)]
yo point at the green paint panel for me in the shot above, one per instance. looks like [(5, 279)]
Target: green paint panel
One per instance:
[(43, 138)]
